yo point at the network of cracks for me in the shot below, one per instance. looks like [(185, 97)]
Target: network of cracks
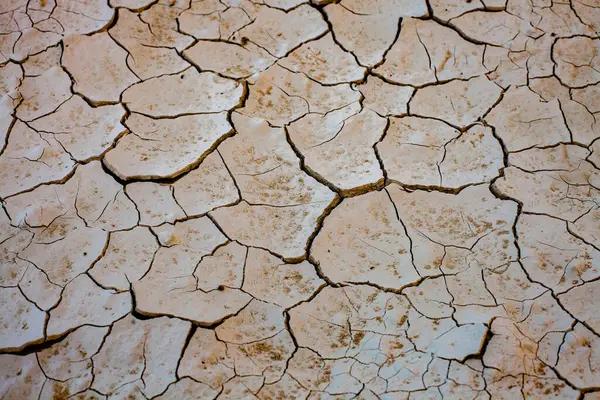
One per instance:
[(236, 199)]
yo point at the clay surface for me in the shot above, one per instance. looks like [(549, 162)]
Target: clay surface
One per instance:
[(299, 199)]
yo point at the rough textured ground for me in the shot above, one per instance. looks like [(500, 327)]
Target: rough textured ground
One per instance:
[(393, 199)]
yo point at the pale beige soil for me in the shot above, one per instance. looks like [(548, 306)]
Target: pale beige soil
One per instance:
[(299, 199)]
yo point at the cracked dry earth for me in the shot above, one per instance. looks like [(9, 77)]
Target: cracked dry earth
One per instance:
[(368, 199)]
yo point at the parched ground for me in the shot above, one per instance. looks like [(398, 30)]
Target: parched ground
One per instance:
[(368, 199)]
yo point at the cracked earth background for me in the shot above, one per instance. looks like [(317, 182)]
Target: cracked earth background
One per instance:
[(395, 199)]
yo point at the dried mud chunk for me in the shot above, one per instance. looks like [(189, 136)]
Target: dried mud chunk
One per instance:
[(366, 36), (577, 357), (267, 357), (283, 230), (7, 43), (431, 298), (594, 157), (577, 61), (11, 77), (129, 390), (62, 246), (363, 241), (268, 279), (524, 120), (324, 61), (21, 322), (391, 363), (460, 342), (401, 8), (266, 169), (257, 341), (165, 148), (44, 23), (384, 98), (171, 288), (284, 4), (20, 377), (82, 17), (474, 219), (13, 267), (131, 4), (85, 132), (539, 60), (413, 148), (578, 110), (30, 159), (162, 21), (98, 67), (225, 267), (586, 227), (43, 94), (558, 18), (187, 388), (68, 363), (579, 119), (345, 158), (155, 203), (8, 232), (562, 194), (540, 317), (563, 157), (65, 249), (317, 374), (582, 302), (242, 387), (285, 389), (503, 386), (543, 387), (189, 92), (509, 30), (147, 350), (205, 360), (84, 302), (554, 257), (349, 321), (38, 64), (205, 188), (229, 59), (101, 200), (424, 332), (150, 55), (507, 68), (473, 157), (217, 19), (427, 52), (465, 380), (418, 151), (459, 103), (446, 10), (279, 32), (439, 216), (589, 13), (510, 350), (126, 259), (589, 97), (32, 41), (91, 195), (281, 199), (281, 96)]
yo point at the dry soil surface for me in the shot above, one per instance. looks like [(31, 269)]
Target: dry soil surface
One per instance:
[(293, 199)]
